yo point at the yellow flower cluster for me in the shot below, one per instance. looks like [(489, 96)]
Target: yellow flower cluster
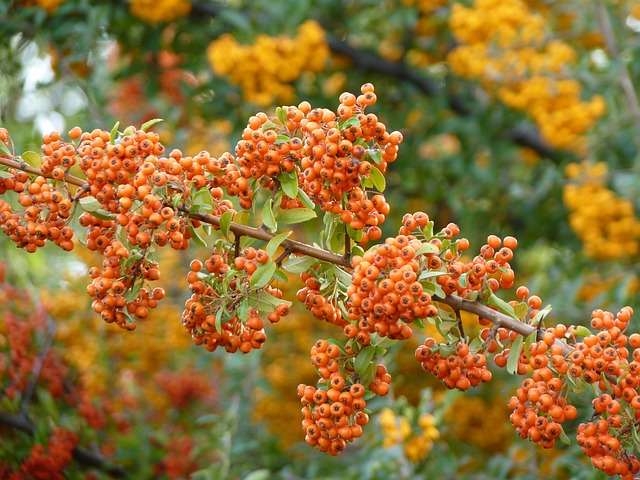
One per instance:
[(503, 44), (265, 70), (479, 422), (606, 224), (49, 5), (397, 430), (160, 11)]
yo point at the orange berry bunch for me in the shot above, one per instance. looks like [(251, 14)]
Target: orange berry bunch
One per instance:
[(385, 294), (322, 305), (333, 415), (460, 369), (539, 406), (48, 462), (118, 288), (491, 268), (226, 307), (45, 215), (600, 440)]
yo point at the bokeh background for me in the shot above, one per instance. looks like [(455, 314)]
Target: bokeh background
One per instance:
[(520, 117)]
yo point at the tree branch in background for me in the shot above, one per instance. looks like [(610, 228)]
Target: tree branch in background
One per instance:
[(80, 454)]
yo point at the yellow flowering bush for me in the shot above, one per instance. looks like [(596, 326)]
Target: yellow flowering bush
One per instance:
[(162, 11), (49, 5), (416, 441), (265, 70), (606, 224), (504, 45)]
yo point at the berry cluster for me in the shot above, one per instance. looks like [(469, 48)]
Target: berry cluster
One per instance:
[(460, 369), (48, 462), (319, 300), (333, 415), (491, 268), (385, 290), (45, 215), (226, 305)]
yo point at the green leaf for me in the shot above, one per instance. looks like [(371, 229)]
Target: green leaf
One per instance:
[(540, 315), (377, 178), (375, 155), (635, 436), (89, 203), (306, 201), (242, 217), (333, 341), (430, 274), (267, 215), (281, 113), (280, 276), (299, 264), (368, 375), (32, 158), (501, 305), (203, 198), (563, 437), (357, 250), (427, 248), (225, 223), (128, 318), (265, 302), (355, 235), (103, 214), (4, 173), (282, 139), (269, 125), (195, 236), (296, 215), (363, 359), (146, 125), (4, 150), (289, 183), (514, 355), (521, 310), (352, 121), (219, 319), (582, 331), (263, 275), (274, 243), (114, 133), (132, 293)]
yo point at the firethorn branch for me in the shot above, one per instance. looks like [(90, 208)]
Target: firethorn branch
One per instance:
[(294, 246), (82, 455)]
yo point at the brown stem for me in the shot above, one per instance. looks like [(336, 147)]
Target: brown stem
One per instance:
[(10, 162)]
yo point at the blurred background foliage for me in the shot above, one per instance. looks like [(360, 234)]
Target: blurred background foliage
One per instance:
[(520, 117)]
